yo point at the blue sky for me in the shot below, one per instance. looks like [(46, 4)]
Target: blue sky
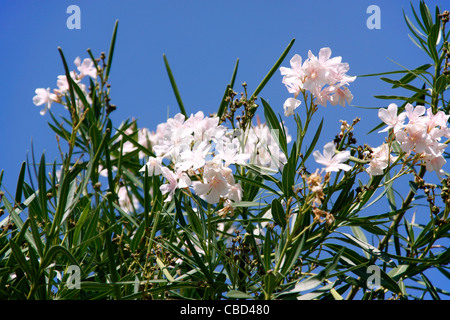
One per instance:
[(202, 40)]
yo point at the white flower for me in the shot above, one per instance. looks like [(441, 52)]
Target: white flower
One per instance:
[(63, 84), (341, 96), (171, 185), (421, 135), (86, 68), (389, 116), (380, 160), (44, 96), (213, 187), (290, 105), (435, 163), (332, 160), (229, 152), (153, 166), (126, 203), (293, 77), (195, 158), (323, 76)]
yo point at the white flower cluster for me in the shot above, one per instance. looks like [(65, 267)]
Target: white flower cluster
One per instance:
[(422, 135), (200, 152), (325, 78), (46, 97)]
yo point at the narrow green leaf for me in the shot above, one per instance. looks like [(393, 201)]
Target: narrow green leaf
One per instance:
[(42, 184), (111, 50), (293, 255), (278, 213), (38, 245), (430, 287), (174, 86), (272, 70), (198, 260), (68, 76), (314, 141), (256, 184), (20, 258), (426, 16), (19, 187), (419, 22), (146, 189), (432, 49), (441, 84), (267, 251), (410, 76), (397, 84), (306, 284), (274, 125), (373, 251), (407, 99), (54, 251), (230, 86), (236, 294)]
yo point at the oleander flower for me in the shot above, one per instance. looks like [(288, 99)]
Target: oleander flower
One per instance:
[(420, 134), (154, 166), (86, 68), (331, 160), (325, 77), (389, 116), (380, 158), (214, 185), (290, 105), (44, 97), (127, 201)]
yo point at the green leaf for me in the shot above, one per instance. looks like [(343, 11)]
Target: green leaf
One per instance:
[(236, 294), (407, 99), (278, 213), (267, 250), (432, 48), (411, 75), (174, 86), (20, 258), (309, 283), (373, 251), (38, 245), (256, 184), (111, 50), (54, 251), (19, 188), (42, 184), (419, 22), (430, 288), (293, 255), (272, 121), (272, 70), (397, 83), (426, 16), (441, 84), (314, 141), (136, 144), (230, 86)]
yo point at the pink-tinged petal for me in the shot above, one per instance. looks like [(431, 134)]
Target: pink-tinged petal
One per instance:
[(296, 62), (329, 150), (324, 54)]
